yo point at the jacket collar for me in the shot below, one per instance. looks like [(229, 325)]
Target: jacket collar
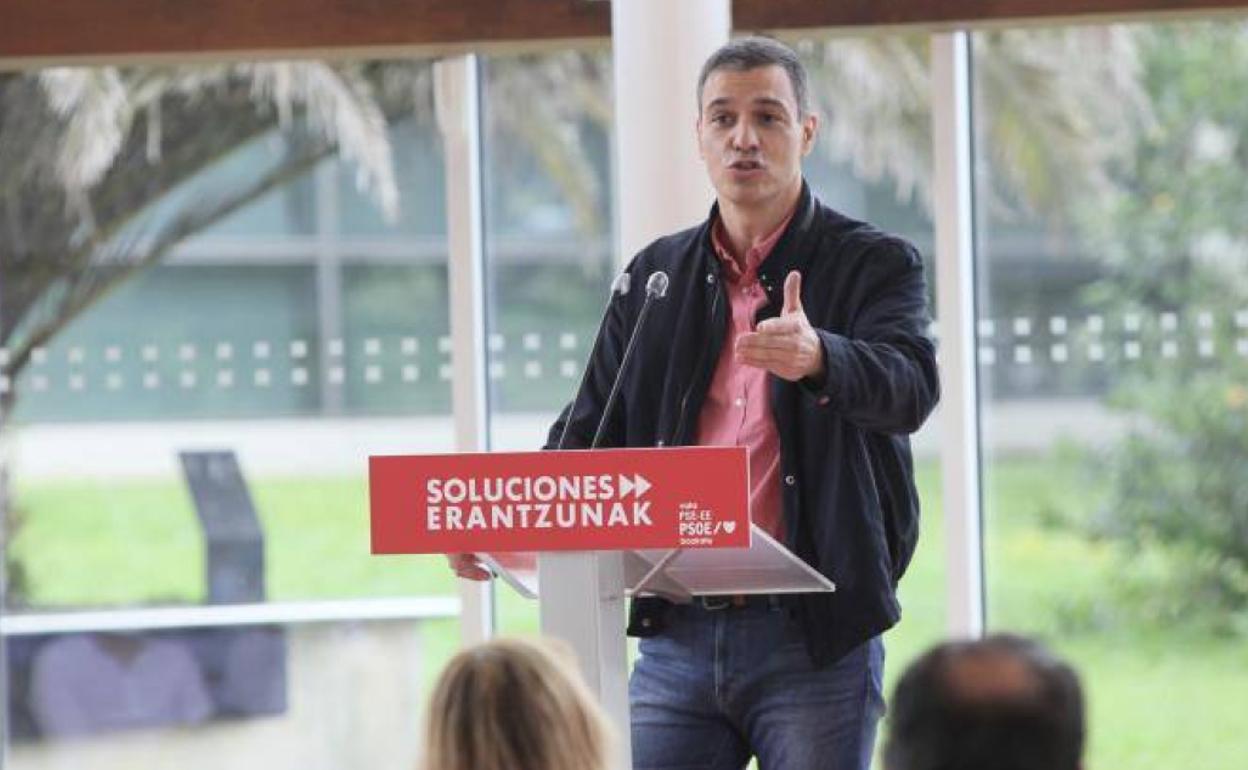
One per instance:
[(792, 252)]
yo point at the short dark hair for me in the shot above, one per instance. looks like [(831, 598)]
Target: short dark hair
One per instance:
[(1029, 717), (749, 53)]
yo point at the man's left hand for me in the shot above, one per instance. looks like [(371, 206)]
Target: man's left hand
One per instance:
[(787, 346)]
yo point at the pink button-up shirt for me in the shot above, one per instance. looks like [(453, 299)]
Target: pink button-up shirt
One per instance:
[(737, 411)]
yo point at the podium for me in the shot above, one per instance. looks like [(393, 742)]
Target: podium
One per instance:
[(580, 531)]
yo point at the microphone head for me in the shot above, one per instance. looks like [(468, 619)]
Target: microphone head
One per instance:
[(621, 284), (656, 285)]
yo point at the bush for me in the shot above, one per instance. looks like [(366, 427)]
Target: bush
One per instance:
[(1176, 492)]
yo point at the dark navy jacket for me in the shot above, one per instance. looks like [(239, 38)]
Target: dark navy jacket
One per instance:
[(850, 505)]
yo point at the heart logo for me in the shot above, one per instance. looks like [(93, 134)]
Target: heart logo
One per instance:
[(730, 527)]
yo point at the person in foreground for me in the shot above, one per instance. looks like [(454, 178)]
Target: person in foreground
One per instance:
[(999, 703), (800, 334), (515, 704)]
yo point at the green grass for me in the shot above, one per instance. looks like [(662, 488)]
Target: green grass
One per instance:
[(1160, 696), (90, 543)]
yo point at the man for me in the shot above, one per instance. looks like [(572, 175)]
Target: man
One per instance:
[(1001, 703), (800, 334)]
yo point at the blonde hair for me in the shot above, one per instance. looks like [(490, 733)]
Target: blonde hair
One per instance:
[(515, 704)]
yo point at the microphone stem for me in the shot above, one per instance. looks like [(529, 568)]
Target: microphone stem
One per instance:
[(619, 375), (616, 292)]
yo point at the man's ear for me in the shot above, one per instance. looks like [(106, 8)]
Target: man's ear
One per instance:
[(810, 129)]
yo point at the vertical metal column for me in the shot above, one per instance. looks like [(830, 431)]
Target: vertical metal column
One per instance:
[(329, 282), (457, 98), (5, 491), (955, 284)]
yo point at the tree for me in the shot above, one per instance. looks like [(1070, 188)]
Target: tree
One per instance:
[(1051, 129), (1174, 240), (86, 153)]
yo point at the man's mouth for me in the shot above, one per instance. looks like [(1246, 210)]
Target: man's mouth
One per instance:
[(745, 165)]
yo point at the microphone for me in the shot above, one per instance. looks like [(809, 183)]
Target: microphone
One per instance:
[(656, 288), (619, 288)]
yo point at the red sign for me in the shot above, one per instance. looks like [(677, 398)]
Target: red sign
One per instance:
[(611, 499)]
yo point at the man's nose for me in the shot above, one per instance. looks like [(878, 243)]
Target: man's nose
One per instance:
[(744, 137)]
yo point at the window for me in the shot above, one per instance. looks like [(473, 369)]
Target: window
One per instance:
[(1112, 349), (549, 257), (223, 287)]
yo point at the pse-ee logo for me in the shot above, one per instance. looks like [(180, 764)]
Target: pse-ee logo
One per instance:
[(504, 503)]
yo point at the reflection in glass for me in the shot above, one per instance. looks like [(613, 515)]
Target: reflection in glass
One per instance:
[(80, 684)]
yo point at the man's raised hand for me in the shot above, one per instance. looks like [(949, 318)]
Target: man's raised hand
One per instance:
[(787, 345)]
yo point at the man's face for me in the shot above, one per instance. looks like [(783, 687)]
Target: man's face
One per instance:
[(750, 135)]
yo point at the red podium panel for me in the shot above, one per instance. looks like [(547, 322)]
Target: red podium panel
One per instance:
[(612, 499)]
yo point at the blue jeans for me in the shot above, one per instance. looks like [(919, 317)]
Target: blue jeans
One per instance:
[(719, 686)]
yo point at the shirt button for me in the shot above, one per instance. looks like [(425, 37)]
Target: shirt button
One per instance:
[(710, 278), (824, 400), (790, 480), (740, 402)]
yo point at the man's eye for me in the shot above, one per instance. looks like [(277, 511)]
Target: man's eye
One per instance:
[(720, 120)]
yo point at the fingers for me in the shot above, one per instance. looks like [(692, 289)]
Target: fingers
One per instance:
[(467, 566), (792, 293), (786, 359), (788, 356), (782, 324), (756, 341)]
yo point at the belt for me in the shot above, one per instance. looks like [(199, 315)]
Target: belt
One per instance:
[(737, 601)]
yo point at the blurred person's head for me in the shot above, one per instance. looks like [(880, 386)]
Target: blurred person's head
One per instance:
[(515, 704), (999, 703)]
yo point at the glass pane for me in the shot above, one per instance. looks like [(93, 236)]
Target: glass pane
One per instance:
[(549, 259), (1113, 344), (873, 162), (222, 288)]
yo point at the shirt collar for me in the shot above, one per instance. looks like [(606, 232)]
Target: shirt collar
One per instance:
[(753, 258)]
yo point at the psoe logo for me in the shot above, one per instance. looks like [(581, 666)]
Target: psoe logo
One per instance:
[(698, 525), (503, 503)]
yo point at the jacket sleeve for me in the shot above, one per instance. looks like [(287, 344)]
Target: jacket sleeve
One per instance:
[(582, 415), (882, 375)]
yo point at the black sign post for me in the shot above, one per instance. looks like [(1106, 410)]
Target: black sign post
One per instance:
[(232, 534)]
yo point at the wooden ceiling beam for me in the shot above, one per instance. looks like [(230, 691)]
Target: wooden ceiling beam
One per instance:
[(42, 31), (848, 14), (35, 30)]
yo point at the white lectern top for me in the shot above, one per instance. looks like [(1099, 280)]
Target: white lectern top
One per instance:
[(765, 567)]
